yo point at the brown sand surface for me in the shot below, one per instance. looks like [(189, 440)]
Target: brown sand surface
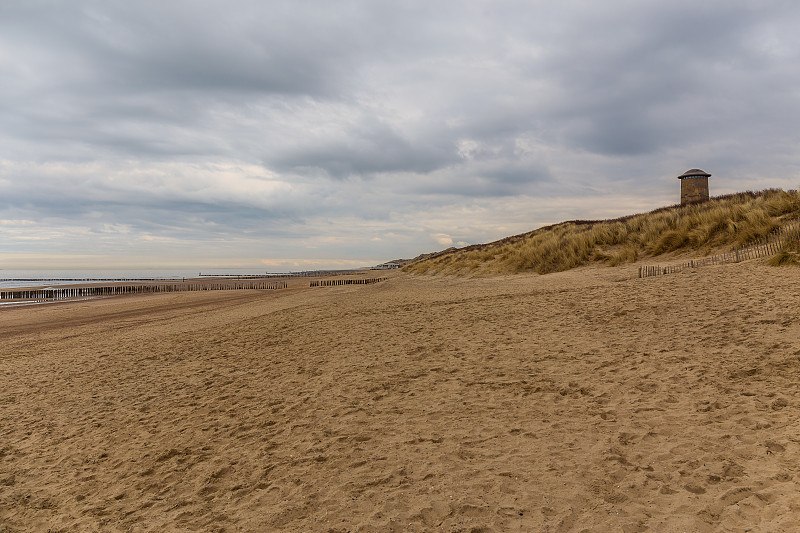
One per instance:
[(582, 401)]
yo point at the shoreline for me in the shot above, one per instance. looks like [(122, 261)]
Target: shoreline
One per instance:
[(21, 282), (91, 289)]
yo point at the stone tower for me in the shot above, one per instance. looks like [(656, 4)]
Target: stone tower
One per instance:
[(694, 186)]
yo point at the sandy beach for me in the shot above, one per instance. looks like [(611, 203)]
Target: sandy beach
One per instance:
[(588, 400)]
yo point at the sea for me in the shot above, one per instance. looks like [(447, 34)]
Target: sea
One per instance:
[(13, 279)]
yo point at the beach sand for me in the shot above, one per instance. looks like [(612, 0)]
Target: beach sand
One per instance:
[(582, 401)]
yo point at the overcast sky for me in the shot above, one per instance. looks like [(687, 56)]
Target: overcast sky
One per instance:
[(288, 135)]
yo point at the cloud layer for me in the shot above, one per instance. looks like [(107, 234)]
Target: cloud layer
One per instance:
[(281, 133)]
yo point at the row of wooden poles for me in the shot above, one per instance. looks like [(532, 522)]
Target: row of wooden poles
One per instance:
[(769, 245), (309, 274), (116, 290), (337, 282)]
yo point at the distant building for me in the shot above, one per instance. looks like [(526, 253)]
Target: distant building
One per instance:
[(694, 186), (386, 266)]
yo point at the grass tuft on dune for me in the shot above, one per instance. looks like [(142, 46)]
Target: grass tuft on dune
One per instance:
[(788, 255), (720, 224)]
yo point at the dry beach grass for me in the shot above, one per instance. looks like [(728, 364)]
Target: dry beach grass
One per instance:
[(720, 224), (586, 400)]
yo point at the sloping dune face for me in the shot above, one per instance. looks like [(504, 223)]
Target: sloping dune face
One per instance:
[(586, 400)]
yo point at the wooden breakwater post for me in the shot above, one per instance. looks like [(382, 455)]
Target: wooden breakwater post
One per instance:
[(117, 290)]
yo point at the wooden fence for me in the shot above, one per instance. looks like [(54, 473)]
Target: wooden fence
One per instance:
[(116, 290), (337, 282), (769, 245)]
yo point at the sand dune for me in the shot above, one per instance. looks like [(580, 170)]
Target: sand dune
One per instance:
[(582, 401)]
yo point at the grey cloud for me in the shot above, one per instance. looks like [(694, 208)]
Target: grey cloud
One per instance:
[(195, 46), (371, 147), (658, 80), (146, 79), (492, 179), (369, 114)]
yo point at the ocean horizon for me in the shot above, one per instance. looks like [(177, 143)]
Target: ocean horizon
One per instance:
[(18, 278)]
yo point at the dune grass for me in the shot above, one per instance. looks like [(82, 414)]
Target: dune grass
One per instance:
[(788, 255), (721, 223)]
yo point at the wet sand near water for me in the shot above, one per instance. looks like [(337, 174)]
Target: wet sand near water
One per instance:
[(583, 401)]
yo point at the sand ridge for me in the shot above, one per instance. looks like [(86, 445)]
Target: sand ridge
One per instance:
[(583, 401)]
